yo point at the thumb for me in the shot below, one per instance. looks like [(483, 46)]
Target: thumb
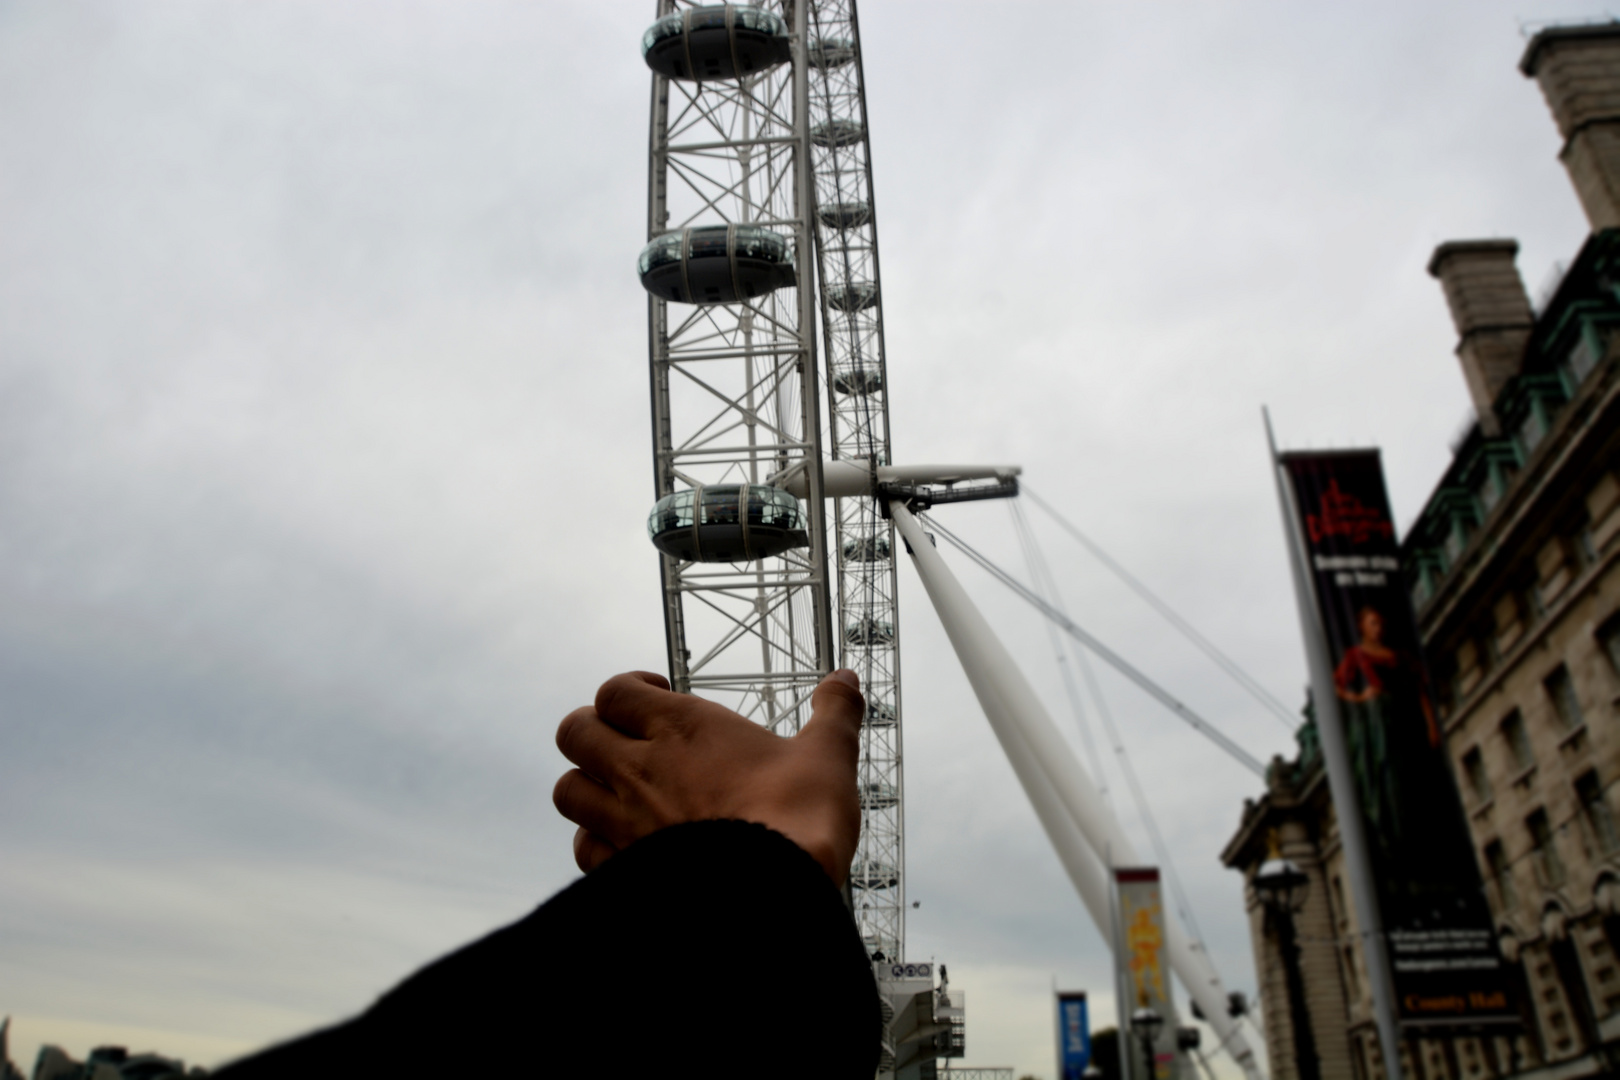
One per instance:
[(836, 709)]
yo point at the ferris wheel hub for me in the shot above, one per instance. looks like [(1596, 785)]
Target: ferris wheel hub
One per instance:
[(842, 479)]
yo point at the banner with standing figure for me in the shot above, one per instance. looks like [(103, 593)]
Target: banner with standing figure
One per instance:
[(1442, 949)]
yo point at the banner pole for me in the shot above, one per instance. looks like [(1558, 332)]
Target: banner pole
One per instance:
[(1122, 983), (1341, 785)]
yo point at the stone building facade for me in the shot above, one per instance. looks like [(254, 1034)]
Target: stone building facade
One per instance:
[(1514, 565)]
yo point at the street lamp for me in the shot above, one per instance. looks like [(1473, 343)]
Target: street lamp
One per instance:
[(1145, 1025), (1282, 887)]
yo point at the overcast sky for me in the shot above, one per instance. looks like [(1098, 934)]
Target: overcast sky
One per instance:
[(324, 456)]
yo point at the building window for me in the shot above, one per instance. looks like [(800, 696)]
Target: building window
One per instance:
[(1531, 595), (1572, 980), (1585, 546), (1595, 810), (1457, 539), (1582, 359), (1611, 937), (1490, 489), (1608, 636), (1473, 764), (1496, 862), (1533, 428), (1561, 691), (1518, 741), (1422, 588), (1549, 867)]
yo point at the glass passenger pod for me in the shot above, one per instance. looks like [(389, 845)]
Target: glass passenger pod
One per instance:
[(857, 296), (866, 549), (880, 715), (861, 379), (716, 264), (725, 41), (837, 133), (869, 631), (825, 53), (878, 795), (845, 215), (727, 523), (872, 874)]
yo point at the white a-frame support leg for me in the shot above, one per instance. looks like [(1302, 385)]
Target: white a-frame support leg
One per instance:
[(1077, 821)]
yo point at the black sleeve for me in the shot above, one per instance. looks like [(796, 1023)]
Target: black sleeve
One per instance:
[(717, 948)]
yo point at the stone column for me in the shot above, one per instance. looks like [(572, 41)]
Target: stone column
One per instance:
[(1578, 68), (1492, 314)]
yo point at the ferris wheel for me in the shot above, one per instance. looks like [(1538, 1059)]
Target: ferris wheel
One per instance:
[(762, 231), (759, 188)]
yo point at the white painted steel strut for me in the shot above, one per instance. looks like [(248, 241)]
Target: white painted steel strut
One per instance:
[(1077, 821)]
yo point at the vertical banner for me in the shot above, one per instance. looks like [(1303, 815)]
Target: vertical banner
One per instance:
[(1442, 950), (1147, 972), (1074, 1035)]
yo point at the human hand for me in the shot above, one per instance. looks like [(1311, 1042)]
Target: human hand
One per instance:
[(649, 758)]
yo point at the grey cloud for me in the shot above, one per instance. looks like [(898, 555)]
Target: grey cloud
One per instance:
[(324, 455)]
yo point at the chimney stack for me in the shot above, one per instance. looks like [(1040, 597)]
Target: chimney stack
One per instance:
[(1578, 68), (1492, 312)]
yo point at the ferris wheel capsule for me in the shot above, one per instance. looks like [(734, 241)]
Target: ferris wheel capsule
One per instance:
[(716, 264), (837, 133), (860, 379), (845, 215), (872, 874), (866, 548), (854, 297), (727, 523), (725, 41), (878, 795), (880, 715), (869, 632), (825, 53)]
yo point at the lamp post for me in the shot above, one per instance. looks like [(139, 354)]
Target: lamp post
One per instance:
[(1145, 1025), (1282, 887)]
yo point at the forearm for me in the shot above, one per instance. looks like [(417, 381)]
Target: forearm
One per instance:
[(719, 943)]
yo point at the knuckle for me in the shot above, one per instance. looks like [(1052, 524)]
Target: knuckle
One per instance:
[(613, 692), (562, 792), (851, 697), (568, 731), (650, 678), (627, 696)]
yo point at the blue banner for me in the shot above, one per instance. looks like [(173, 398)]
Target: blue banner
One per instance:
[(1074, 1035)]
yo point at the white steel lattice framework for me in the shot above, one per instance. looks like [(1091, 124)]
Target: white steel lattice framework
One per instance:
[(735, 400), (734, 390), (858, 423)]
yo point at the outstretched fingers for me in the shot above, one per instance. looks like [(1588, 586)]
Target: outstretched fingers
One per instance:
[(836, 709), (596, 747), (637, 702), (593, 807), (591, 851)]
